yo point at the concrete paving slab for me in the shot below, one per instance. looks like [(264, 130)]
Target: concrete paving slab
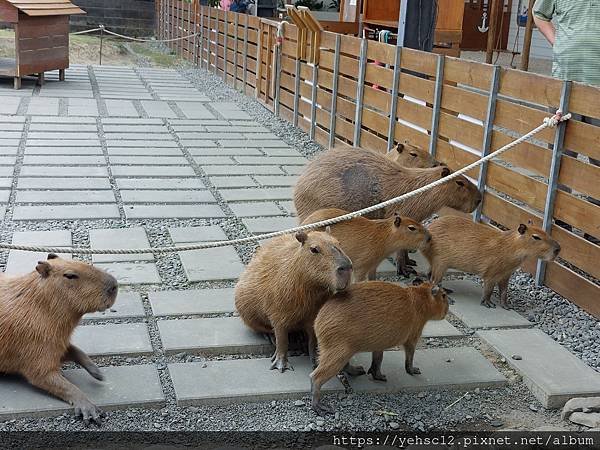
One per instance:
[(171, 196), (268, 225), (230, 111), (71, 196), (467, 370), (113, 339), (192, 302), (211, 264), (155, 171), (63, 151), (63, 183), (233, 182), (283, 151), (289, 207), (252, 143), (5, 183), (43, 106), (440, 328), (468, 308), (276, 160), (135, 128), (160, 183), (132, 273), (146, 144), (213, 150), (551, 372), (121, 389), (248, 380), (293, 170), (255, 209), (276, 180), (173, 211), (61, 135), (4, 196), (20, 262), (62, 143), (128, 305), (257, 194), (217, 335), (143, 151), (213, 160), (120, 238), (64, 171), (149, 160), (197, 234), (71, 212), (156, 108), (242, 170), (194, 110), (72, 160), (127, 137), (121, 108)]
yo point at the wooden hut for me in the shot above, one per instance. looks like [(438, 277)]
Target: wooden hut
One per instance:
[(41, 37)]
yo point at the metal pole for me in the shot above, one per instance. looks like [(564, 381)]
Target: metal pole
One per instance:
[(334, 90), (360, 90), (313, 102), (401, 22), (487, 138), (394, 105), (277, 80), (296, 92), (216, 42), (245, 56), (101, 41), (235, 50), (437, 105), (528, 35), (225, 39), (189, 40), (557, 151)]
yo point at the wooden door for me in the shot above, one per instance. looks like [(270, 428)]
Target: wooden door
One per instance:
[(472, 37)]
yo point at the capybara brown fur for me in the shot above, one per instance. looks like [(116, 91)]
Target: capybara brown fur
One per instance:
[(410, 155), (372, 316), (286, 283), (351, 180), (459, 243), (367, 242), (38, 313)]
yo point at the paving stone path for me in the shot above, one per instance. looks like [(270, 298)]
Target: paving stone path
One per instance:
[(123, 157)]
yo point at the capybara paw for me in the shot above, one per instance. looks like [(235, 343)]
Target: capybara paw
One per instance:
[(449, 291), (450, 301), (269, 338), (488, 303), (281, 364), (321, 408), (354, 371), (377, 375), (411, 262), (88, 412), (414, 371), (506, 305), (95, 372)]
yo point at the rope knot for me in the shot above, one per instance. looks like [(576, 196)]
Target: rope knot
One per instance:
[(558, 117)]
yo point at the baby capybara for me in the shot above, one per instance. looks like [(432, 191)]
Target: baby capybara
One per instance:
[(372, 316), (285, 284), (458, 243), (368, 242), (409, 155), (38, 313)]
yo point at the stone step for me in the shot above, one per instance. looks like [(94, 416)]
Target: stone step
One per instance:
[(113, 339), (230, 335), (247, 380), (134, 237), (468, 308), (467, 370), (128, 305), (191, 302), (20, 262), (211, 264), (552, 373), (122, 389), (130, 273)]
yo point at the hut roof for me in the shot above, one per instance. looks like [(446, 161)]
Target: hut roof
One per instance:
[(46, 7)]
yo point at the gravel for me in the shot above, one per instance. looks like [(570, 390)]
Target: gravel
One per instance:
[(511, 406)]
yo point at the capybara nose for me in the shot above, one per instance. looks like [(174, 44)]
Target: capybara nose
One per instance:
[(428, 238), (112, 286), (557, 250), (346, 267)]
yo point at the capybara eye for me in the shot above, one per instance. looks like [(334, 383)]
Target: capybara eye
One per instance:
[(536, 237), (413, 154), (71, 276), (412, 228), (460, 183), (315, 249)]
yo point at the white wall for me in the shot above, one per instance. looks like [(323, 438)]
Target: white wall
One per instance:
[(540, 48)]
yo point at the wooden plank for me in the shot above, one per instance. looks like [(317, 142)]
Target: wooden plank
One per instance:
[(578, 251), (526, 155), (44, 42), (577, 289), (460, 130), (580, 176), (537, 89), (522, 119), (577, 212), (583, 138), (468, 72), (464, 101), (585, 100)]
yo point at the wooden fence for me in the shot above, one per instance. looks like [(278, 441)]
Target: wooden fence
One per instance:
[(457, 109)]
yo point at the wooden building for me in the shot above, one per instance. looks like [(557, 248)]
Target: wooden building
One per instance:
[(41, 37)]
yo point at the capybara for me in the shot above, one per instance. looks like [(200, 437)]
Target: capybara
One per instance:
[(285, 284), (372, 316), (409, 155), (38, 313), (458, 243), (353, 180), (367, 242)]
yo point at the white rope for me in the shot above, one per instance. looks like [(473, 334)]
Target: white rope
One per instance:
[(549, 122)]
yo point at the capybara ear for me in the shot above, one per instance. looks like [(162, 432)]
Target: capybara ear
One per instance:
[(301, 237), (435, 290), (417, 281), (52, 256), (399, 147), (328, 229), (445, 172), (397, 221), (522, 228), (43, 268), (529, 222)]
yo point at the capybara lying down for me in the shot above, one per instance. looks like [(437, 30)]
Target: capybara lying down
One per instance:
[(459, 243), (410, 155), (285, 284), (368, 242), (372, 316), (38, 313)]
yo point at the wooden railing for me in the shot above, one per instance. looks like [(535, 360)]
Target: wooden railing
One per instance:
[(472, 109)]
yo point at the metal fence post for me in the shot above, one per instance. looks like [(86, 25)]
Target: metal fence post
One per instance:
[(360, 90), (394, 102), (245, 56), (487, 138), (235, 49), (189, 39), (216, 42), (437, 105), (296, 91), (313, 102), (334, 89), (201, 38), (225, 43), (557, 151)]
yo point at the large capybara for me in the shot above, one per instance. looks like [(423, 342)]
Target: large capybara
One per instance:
[(410, 155), (285, 284), (372, 316), (458, 243), (367, 242), (353, 180), (38, 313)]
